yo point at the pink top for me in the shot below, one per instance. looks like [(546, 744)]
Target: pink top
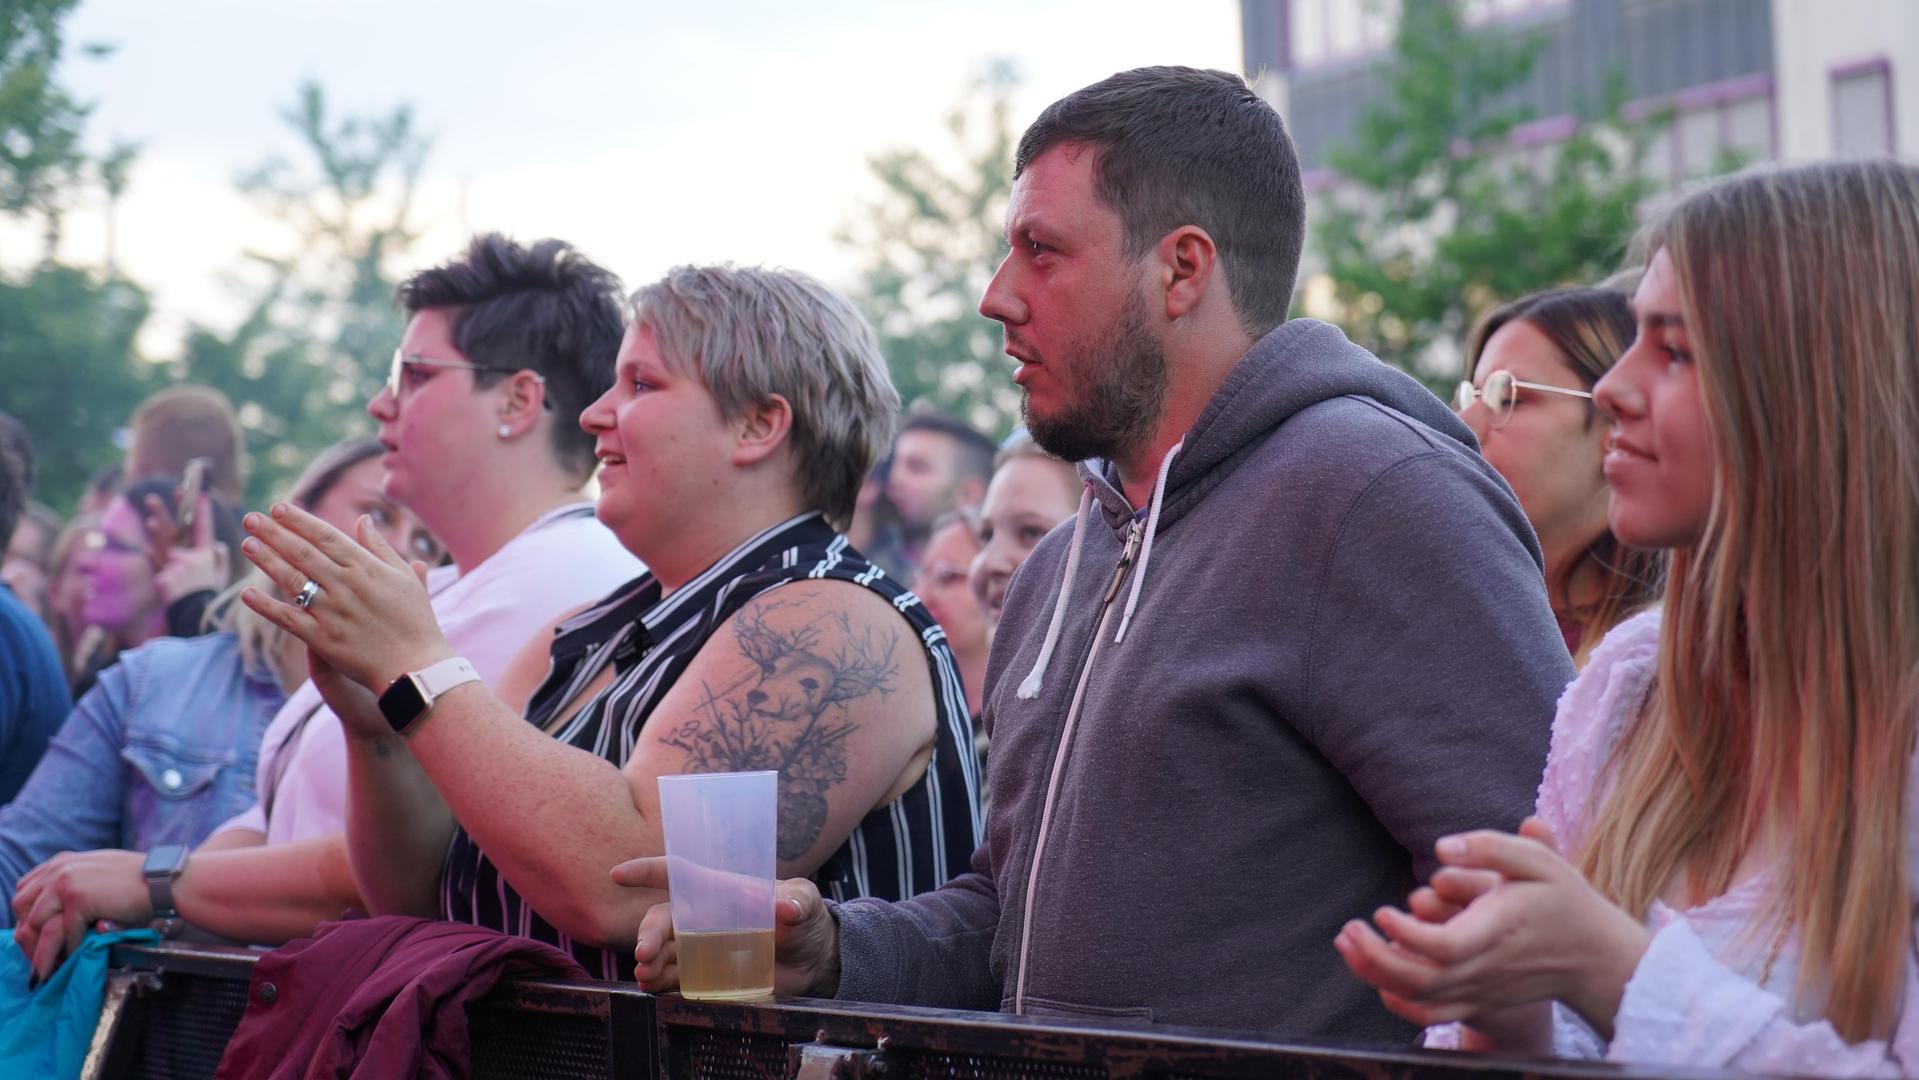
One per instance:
[(563, 560), (1697, 998)]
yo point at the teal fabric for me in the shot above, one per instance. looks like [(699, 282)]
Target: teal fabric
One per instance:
[(45, 1033)]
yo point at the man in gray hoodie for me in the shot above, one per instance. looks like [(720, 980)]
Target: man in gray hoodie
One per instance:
[(1297, 632)]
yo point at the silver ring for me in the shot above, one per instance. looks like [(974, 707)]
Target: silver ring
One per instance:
[(307, 594)]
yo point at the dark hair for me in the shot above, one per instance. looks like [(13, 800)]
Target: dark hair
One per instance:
[(975, 451), (107, 480), (1590, 329), (13, 492), (1180, 146), (544, 308), (226, 523), (14, 438)]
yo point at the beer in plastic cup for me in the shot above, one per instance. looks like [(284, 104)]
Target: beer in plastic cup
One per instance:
[(720, 833)]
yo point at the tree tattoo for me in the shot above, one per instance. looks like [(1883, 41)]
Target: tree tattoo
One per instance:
[(788, 712)]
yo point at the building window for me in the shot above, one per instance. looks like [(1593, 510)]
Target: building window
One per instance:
[(1862, 109), (1713, 127), (1328, 31)]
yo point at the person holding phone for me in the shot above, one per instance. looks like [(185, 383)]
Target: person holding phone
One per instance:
[(163, 749), (121, 599)]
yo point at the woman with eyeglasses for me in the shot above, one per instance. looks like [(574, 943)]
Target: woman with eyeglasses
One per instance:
[(1722, 869), (163, 749), (121, 601), (1534, 363)]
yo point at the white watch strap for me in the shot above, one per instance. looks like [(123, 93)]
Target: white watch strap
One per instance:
[(443, 676)]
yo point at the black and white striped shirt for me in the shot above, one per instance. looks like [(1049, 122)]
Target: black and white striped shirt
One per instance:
[(906, 847)]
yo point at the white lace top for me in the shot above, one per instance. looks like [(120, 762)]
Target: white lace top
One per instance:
[(1697, 997)]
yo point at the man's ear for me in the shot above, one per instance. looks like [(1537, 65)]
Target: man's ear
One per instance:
[(1186, 260), (761, 430), (522, 399)]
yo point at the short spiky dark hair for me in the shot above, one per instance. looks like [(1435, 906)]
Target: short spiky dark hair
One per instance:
[(542, 307), (972, 451), (1180, 146)]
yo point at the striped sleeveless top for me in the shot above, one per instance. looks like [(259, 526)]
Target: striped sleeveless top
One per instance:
[(909, 846)]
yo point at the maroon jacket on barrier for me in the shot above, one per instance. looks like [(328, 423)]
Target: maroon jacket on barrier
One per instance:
[(379, 997)]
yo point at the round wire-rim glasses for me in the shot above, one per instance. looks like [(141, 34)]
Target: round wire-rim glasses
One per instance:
[(1500, 392)]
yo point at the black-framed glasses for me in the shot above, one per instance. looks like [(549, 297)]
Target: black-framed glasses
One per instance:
[(1499, 393), (396, 375)]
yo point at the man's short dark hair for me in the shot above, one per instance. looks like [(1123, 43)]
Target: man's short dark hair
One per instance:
[(542, 307), (1179, 146), (974, 451)]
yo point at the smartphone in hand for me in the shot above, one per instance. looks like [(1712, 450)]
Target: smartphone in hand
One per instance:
[(193, 481)]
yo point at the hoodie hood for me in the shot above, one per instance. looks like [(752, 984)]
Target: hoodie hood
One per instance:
[(1299, 363)]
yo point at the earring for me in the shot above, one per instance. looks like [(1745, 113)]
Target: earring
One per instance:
[(506, 432)]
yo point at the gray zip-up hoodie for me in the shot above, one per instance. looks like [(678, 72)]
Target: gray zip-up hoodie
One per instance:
[(1338, 650)]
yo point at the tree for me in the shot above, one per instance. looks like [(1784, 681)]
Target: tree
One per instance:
[(934, 236), (66, 336), (315, 344), (66, 350), (40, 123), (1436, 217)]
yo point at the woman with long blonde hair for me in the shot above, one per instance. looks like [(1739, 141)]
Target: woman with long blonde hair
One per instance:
[(1731, 781)]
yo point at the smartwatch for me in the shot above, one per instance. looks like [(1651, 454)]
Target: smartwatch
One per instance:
[(412, 694), (163, 867)]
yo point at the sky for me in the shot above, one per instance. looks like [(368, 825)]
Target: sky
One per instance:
[(647, 134)]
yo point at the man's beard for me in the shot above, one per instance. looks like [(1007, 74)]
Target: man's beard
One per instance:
[(1117, 393)]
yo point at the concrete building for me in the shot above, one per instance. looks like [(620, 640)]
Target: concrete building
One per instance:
[(1789, 80)]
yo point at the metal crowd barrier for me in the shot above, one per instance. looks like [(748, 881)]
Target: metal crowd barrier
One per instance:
[(171, 1008)]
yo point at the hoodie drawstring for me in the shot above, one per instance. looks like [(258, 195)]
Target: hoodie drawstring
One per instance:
[(1146, 547), (1029, 687)]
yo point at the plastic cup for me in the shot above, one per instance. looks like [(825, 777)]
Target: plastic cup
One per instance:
[(720, 833)]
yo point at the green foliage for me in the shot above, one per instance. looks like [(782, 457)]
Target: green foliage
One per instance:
[(934, 238), (40, 123), (314, 348), (66, 336), (66, 347), (1438, 217)]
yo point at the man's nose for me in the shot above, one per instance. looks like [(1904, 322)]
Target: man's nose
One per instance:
[(999, 303)]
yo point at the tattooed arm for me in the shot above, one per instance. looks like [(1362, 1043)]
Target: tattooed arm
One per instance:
[(821, 680)]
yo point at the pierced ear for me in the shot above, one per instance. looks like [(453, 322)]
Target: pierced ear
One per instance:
[(521, 404), (761, 430), (1187, 260)]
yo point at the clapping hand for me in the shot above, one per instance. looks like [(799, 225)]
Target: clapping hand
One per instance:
[(1505, 923), (367, 616)]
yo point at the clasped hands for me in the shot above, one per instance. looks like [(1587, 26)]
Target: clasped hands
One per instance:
[(371, 621), (1505, 927)]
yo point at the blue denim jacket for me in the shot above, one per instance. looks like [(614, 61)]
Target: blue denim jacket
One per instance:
[(161, 751)]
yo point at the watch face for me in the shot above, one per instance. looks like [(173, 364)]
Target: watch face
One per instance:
[(402, 703), (164, 860)]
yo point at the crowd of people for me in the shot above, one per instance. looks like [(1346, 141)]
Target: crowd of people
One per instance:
[(1577, 717)]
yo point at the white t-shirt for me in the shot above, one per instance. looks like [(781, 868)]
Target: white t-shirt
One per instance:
[(563, 560)]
